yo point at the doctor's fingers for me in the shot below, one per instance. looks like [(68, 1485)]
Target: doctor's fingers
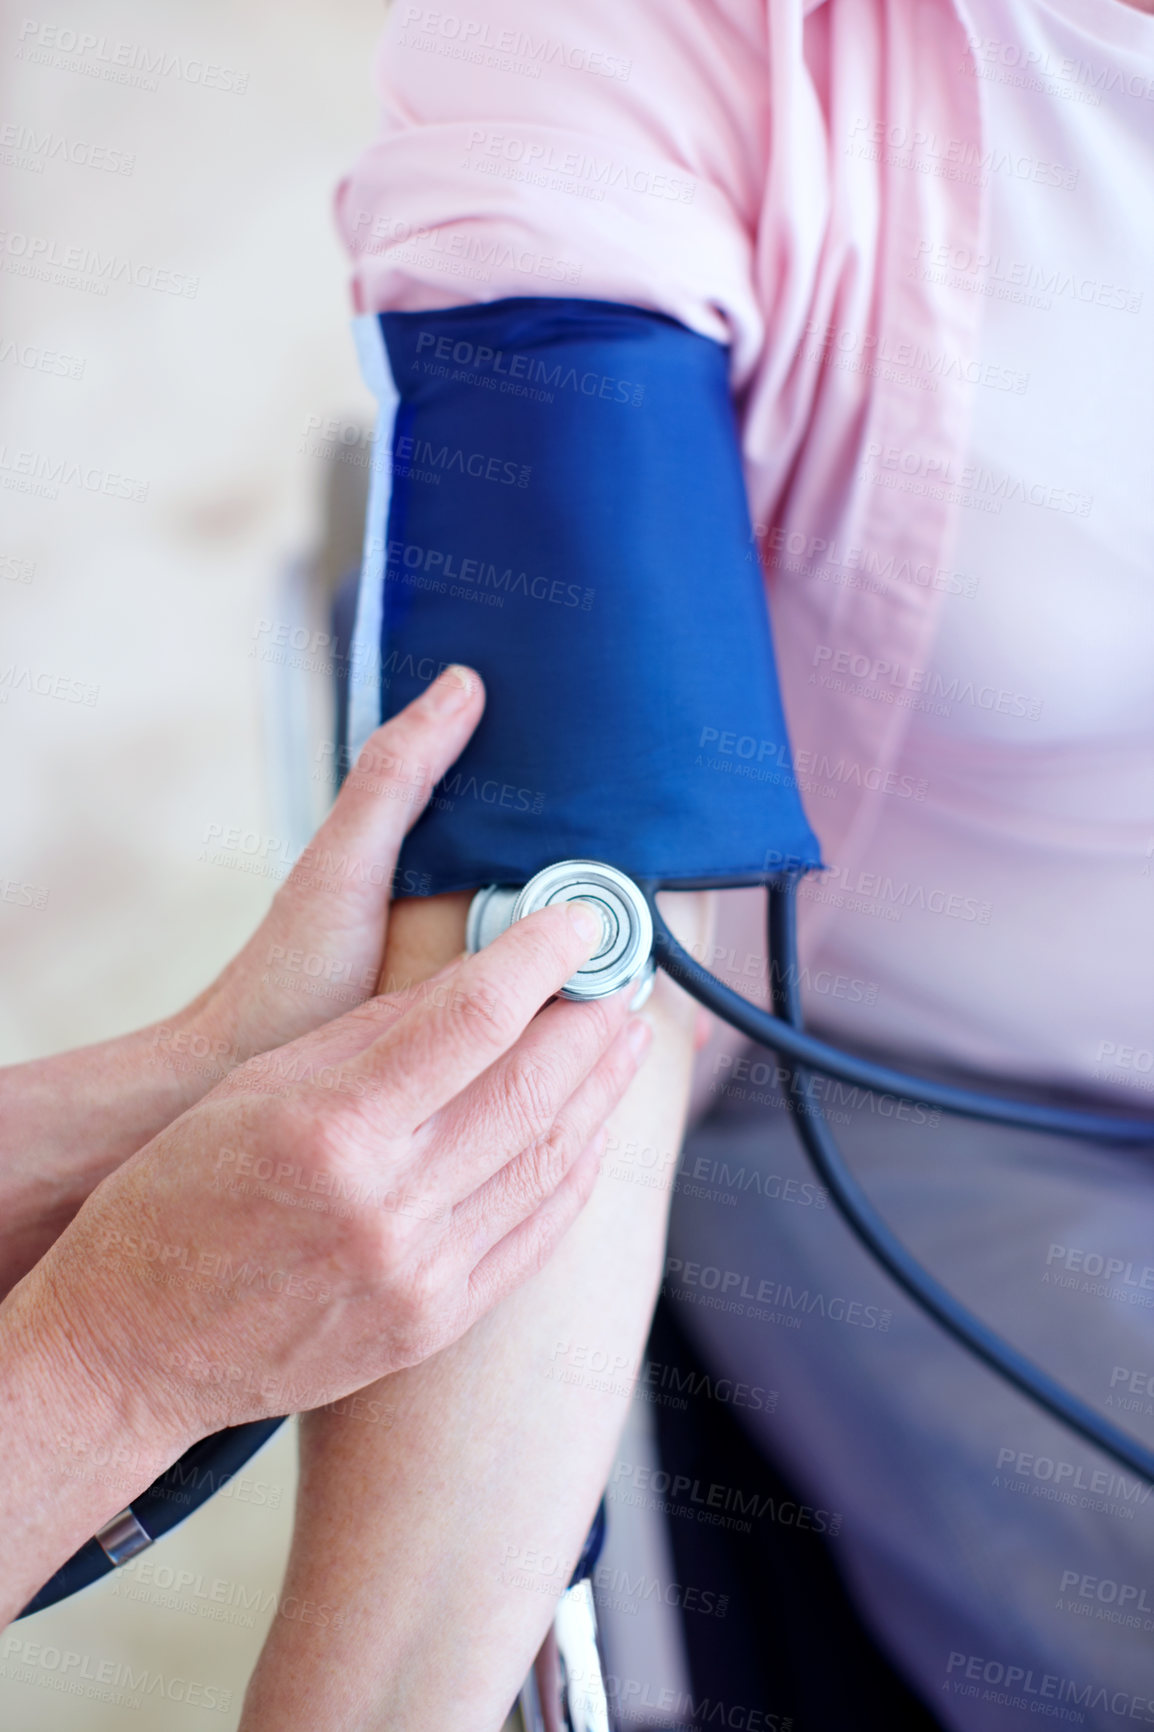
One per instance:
[(528, 1246), (388, 786), (347, 872), (520, 1098), (324, 1051), (446, 1040), (522, 1185), (318, 950)]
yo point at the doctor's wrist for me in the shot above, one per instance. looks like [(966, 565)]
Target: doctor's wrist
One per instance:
[(95, 1359), (79, 1445), (70, 1120)]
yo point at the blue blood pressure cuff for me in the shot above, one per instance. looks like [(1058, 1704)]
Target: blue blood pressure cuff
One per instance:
[(558, 502)]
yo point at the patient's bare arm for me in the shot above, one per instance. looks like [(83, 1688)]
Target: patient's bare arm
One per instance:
[(444, 1531)]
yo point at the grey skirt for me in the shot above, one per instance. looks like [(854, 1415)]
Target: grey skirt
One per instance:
[(1004, 1564)]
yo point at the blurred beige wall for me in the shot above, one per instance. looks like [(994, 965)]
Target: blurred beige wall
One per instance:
[(137, 720)]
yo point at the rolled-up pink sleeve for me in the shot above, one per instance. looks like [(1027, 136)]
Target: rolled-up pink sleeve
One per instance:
[(597, 149)]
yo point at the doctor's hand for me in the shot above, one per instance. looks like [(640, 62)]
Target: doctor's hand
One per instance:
[(318, 950), (68, 1121), (336, 1210)]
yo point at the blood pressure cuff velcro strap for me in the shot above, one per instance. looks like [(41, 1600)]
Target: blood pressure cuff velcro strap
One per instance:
[(567, 514)]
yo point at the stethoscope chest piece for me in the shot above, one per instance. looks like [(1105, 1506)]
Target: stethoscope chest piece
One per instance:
[(625, 953)]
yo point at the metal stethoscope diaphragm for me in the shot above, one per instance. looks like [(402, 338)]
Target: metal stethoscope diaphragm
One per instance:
[(625, 954)]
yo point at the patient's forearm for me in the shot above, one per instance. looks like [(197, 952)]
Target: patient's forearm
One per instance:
[(441, 1518)]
